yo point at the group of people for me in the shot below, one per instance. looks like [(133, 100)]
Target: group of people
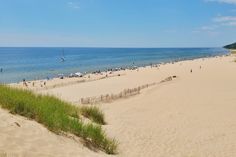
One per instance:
[(33, 83)]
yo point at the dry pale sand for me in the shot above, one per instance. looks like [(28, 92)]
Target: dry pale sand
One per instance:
[(190, 116)]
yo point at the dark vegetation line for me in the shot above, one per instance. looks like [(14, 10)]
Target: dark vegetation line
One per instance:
[(231, 46)]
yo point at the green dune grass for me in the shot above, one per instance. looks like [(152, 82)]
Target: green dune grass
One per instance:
[(93, 113), (58, 116), (233, 51)]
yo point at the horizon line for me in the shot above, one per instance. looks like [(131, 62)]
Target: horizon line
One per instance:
[(101, 47)]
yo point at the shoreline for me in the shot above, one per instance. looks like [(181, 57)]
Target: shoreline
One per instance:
[(158, 56), (56, 82), (99, 86)]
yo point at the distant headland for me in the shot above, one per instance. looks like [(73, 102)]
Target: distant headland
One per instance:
[(231, 46)]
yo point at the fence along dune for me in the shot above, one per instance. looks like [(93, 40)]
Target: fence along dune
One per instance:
[(123, 94)]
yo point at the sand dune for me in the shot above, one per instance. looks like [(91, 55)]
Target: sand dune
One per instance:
[(190, 116), (20, 137)]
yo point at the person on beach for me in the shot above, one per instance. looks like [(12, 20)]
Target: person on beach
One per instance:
[(1, 70), (24, 83), (191, 71)]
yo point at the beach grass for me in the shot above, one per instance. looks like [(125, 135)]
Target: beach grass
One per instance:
[(233, 51), (58, 116), (93, 113)]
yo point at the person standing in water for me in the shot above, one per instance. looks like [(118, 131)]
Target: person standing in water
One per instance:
[(1, 70)]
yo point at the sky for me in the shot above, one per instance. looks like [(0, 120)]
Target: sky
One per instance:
[(117, 23)]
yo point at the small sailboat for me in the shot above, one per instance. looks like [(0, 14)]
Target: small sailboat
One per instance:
[(63, 56)]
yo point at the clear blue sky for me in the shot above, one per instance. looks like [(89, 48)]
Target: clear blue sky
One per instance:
[(117, 23)]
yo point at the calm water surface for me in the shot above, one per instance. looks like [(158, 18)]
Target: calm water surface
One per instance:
[(39, 63)]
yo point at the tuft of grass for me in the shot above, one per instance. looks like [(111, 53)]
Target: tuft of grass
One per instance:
[(93, 113), (58, 116), (233, 51)]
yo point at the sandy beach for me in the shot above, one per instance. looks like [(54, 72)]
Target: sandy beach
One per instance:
[(190, 114)]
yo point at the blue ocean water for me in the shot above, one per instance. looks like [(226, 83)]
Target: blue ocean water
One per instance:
[(39, 63)]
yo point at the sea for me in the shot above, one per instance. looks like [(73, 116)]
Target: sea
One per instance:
[(33, 63)]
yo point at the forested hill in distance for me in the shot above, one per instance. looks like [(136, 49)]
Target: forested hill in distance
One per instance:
[(231, 46)]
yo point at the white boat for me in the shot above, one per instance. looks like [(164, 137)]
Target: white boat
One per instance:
[(63, 56)]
